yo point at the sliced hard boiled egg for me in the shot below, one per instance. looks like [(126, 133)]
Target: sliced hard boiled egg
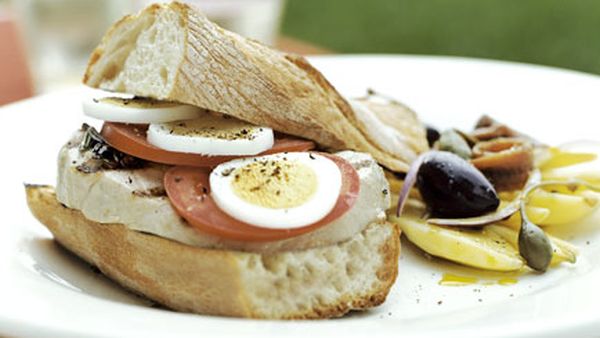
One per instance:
[(211, 134), (138, 110), (280, 191)]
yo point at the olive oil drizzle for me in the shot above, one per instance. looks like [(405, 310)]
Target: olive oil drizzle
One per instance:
[(449, 279)]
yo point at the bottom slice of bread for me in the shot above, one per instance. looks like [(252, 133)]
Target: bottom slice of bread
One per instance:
[(315, 283)]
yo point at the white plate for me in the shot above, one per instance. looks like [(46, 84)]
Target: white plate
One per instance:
[(46, 292)]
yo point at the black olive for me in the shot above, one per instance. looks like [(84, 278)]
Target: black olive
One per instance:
[(432, 135), (453, 188)]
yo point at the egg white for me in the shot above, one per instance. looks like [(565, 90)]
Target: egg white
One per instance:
[(137, 111), (194, 136), (322, 201)]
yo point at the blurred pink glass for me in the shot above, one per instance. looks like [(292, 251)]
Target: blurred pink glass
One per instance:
[(15, 82)]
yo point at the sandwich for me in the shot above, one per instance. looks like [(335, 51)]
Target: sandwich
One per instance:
[(228, 178)]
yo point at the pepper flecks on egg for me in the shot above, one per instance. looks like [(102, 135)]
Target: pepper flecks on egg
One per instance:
[(285, 185), (277, 191), (211, 134), (212, 127)]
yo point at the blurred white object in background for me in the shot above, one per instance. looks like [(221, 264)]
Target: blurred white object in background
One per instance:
[(256, 19), (60, 35)]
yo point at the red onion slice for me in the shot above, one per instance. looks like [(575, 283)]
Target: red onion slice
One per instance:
[(479, 221), (409, 182)]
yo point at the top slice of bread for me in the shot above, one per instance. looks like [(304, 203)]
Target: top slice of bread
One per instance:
[(173, 52)]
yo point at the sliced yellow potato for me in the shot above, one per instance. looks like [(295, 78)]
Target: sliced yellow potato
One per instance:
[(536, 215), (581, 172), (565, 188), (562, 250), (564, 209), (494, 247), (563, 158), (477, 248), (586, 170)]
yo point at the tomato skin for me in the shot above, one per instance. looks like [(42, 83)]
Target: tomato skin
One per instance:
[(131, 139), (189, 192)]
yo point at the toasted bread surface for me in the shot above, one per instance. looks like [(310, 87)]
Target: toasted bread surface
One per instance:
[(321, 282)]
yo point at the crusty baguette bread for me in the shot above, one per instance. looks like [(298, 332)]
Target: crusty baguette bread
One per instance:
[(174, 52), (315, 283)]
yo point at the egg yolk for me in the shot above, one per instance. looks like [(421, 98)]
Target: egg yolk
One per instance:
[(277, 184)]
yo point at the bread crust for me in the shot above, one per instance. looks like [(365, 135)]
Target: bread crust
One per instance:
[(191, 279), (225, 72)]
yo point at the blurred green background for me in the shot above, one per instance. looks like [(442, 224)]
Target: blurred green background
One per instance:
[(59, 35), (563, 33)]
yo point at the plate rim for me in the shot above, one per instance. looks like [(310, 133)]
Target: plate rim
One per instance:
[(591, 321)]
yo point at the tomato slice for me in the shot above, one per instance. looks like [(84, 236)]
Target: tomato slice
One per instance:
[(189, 191), (131, 139)]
